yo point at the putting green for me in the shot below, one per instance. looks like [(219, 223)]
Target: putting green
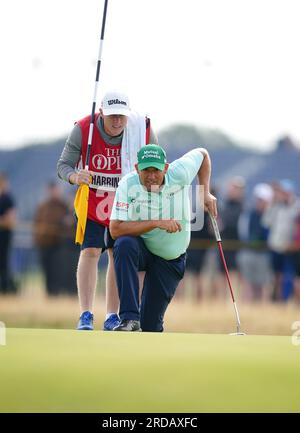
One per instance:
[(70, 371)]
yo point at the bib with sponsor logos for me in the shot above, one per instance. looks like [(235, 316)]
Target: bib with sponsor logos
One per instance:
[(105, 167)]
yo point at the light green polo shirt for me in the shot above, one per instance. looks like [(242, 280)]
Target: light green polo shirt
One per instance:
[(134, 203)]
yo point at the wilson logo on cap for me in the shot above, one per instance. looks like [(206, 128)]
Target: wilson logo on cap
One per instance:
[(116, 101)]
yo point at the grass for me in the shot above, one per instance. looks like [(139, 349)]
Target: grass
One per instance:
[(47, 370), (38, 311), (189, 368)]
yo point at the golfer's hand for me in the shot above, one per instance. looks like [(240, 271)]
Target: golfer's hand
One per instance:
[(170, 226), (82, 177), (210, 204)]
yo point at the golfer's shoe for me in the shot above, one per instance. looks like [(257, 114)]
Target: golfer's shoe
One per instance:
[(128, 325), (86, 322), (111, 322)]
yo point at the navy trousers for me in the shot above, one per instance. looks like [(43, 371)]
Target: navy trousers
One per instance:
[(161, 280)]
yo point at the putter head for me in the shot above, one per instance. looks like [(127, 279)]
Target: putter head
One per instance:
[(238, 332)]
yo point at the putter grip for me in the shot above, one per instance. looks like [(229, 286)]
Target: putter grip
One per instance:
[(215, 227)]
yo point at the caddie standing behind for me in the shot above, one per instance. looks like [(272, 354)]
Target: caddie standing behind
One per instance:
[(117, 136)]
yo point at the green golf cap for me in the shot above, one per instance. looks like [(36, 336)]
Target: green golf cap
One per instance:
[(151, 155)]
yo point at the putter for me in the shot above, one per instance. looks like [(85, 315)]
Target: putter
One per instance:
[(219, 242)]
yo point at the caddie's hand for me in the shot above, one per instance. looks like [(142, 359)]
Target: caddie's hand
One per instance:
[(82, 177), (210, 204), (170, 226)]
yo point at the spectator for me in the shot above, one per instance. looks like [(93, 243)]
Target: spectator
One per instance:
[(254, 260), (230, 212), (280, 217), (7, 224), (296, 259), (51, 225), (70, 252)]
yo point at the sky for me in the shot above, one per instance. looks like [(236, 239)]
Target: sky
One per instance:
[(232, 65)]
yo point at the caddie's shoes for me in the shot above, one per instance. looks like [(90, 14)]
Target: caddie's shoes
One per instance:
[(128, 325), (86, 321), (110, 323)]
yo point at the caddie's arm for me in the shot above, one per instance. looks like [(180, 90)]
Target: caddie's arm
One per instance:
[(204, 174), (69, 158)]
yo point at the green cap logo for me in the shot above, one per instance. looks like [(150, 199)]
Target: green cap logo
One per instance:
[(151, 155)]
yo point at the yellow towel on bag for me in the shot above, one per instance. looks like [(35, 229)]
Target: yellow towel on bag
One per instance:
[(81, 208)]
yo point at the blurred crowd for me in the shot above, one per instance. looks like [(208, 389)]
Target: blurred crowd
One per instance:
[(52, 232), (261, 243), (260, 237)]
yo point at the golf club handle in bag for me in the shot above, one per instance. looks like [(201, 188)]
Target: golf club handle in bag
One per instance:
[(215, 227), (91, 129)]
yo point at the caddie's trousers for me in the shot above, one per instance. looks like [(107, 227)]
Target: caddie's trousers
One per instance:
[(161, 280)]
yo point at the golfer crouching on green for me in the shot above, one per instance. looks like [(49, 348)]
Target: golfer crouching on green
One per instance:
[(150, 221)]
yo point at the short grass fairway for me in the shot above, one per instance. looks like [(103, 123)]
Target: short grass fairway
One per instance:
[(70, 371)]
